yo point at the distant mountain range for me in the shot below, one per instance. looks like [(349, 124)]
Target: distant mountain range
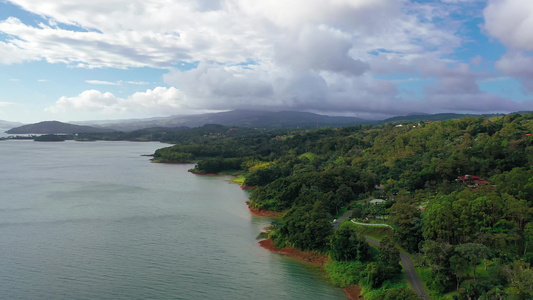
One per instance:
[(7, 124), (264, 119), (238, 118), (424, 117), (51, 127), (433, 117)]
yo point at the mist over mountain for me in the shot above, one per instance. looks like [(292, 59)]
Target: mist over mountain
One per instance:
[(7, 124)]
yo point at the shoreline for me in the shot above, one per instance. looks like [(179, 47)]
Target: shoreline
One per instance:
[(264, 213), (353, 292), (202, 173), (167, 161)]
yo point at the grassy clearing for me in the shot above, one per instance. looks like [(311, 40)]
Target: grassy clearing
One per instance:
[(376, 233), (308, 155), (344, 273), (239, 179)]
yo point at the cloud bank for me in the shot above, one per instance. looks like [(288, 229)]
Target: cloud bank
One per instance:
[(329, 56), (151, 102)]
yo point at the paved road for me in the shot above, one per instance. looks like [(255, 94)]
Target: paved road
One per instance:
[(415, 282), (341, 219), (372, 224)]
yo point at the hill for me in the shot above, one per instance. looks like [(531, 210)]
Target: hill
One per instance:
[(239, 118), (471, 235), (55, 127), (424, 117), (433, 117), (268, 119), (263, 119)]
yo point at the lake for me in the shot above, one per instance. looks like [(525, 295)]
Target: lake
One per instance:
[(96, 220)]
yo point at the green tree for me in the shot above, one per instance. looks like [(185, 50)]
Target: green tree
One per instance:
[(406, 218), (438, 254), (521, 281), (389, 255), (307, 226), (397, 294), (472, 253), (346, 244)]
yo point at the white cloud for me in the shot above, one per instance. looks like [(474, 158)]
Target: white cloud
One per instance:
[(319, 55), (229, 31), (11, 54), (511, 21), (136, 82), (120, 82), (158, 101), (517, 65), (319, 49), (476, 60), (101, 82), (216, 87)]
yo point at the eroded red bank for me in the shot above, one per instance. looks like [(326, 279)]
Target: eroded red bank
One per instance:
[(264, 213), (353, 292)]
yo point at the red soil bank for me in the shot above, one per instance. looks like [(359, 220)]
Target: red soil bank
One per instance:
[(264, 213), (310, 257), (353, 292), (202, 173)]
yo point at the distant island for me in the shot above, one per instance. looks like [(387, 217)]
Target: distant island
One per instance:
[(51, 138), (55, 127)]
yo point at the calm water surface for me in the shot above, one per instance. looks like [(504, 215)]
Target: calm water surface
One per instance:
[(96, 220)]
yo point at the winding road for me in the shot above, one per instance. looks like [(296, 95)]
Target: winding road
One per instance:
[(338, 221), (415, 282)]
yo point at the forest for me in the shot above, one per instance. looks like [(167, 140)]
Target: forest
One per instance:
[(457, 193)]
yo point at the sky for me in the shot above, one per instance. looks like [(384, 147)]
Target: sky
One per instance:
[(72, 60)]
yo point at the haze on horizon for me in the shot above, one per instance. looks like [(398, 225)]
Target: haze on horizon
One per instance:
[(372, 59)]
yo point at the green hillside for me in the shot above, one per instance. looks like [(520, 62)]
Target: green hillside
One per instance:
[(459, 197)]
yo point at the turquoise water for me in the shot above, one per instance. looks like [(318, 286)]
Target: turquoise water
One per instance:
[(96, 220)]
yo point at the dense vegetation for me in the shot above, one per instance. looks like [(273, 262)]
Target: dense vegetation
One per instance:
[(51, 138), (473, 237)]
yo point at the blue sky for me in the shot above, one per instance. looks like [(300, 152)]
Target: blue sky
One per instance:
[(115, 59)]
